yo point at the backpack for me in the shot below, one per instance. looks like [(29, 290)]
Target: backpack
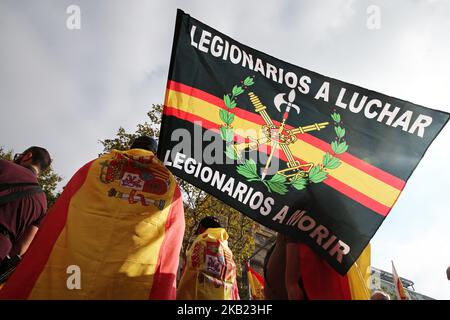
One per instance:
[(18, 194)]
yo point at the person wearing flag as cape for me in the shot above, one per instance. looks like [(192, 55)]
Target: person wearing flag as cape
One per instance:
[(210, 271), (114, 233)]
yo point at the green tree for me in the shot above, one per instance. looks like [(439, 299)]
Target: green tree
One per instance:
[(48, 179), (197, 203)]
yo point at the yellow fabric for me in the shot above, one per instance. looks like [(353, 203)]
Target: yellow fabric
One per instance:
[(359, 276), (110, 234), (210, 272)]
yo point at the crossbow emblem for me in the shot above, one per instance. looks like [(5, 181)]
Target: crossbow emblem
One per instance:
[(279, 136)]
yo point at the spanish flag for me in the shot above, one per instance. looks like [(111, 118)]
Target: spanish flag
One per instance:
[(256, 283), (210, 271), (114, 233), (321, 282), (400, 291)]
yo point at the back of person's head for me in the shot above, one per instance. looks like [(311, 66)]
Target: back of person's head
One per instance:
[(380, 295), (146, 143), (448, 273), (40, 157), (208, 222)]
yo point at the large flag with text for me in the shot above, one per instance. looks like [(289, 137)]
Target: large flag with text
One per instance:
[(318, 159), (321, 282)]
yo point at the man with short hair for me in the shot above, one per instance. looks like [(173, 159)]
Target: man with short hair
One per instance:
[(210, 271), (23, 204), (448, 273)]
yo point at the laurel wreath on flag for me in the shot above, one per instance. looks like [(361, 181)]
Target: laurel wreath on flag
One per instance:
[(279, 183), (226, 130)]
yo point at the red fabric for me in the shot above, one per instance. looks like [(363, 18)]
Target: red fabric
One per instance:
[(320, 280), (22, 281), (167, 266), (5, 246)]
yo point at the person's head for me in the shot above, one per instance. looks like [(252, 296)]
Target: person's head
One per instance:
[(448, 273), (35, 157), (146, 143), (206, 223), (380, 295)]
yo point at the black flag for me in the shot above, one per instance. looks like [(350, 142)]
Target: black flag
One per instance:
[(309, 156)]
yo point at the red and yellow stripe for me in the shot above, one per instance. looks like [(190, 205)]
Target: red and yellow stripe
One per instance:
[(355, 178)]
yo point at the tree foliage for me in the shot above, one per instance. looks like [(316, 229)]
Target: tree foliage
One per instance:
[(48, 179), (197, 203)]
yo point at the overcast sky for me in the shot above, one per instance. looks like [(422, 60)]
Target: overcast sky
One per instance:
[(66, 89)]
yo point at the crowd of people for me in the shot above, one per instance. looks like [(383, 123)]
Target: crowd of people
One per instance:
[(120, 220)]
